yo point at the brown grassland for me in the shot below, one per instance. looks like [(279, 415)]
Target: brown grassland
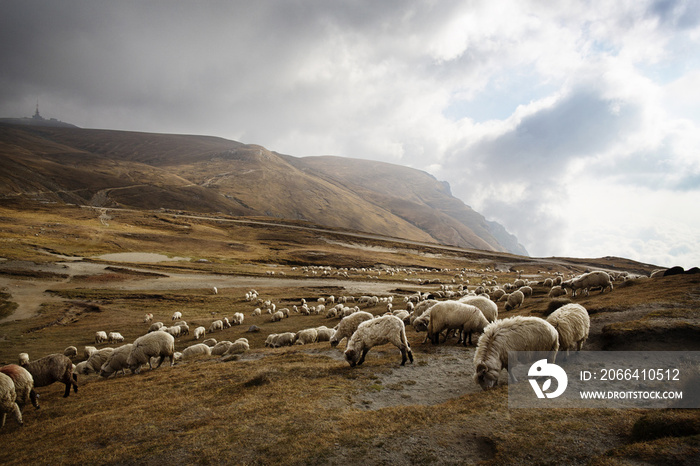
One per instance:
[(303, 404)]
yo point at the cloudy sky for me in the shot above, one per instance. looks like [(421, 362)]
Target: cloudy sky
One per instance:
[(575, 124)]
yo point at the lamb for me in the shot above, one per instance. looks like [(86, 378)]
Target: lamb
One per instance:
[(306, 336), (114, 337), (588, 281), (216, 325), (70, 351), (196, 350), (256, 312), (572, 323), (237, 318), (116, 361), (53, 368), (515, 299), (485, 305), (199, 332), (156, 344), (348, 325), (497, 294), (374, 332), (100, 336), (455, 315), (24, 385), (8, 397), (512, 334), (177, 315)]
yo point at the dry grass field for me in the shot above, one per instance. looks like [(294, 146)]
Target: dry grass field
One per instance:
[(302, 404)]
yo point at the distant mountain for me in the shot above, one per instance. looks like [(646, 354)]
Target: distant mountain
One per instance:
[(210, 175)]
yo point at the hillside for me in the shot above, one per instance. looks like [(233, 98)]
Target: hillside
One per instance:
[(104, 168)]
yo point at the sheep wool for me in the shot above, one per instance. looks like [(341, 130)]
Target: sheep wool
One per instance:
[(116, 361), (24, 385), (374, 332), (572, 324), (196, 350), (8, 397), (53, 368), (151, 345), (485, 305), (515, 299)]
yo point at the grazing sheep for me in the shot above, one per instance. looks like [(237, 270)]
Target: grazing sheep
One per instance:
[(421, 308), (485, 305), (100, 337), (116, 361), (196, 350), (237, 318), (199, 332), (277, 316), (23, 359), (374, 332), (156, 344), (177, 315), (53, 368), (497, 294), (348, 325), (324, 333), (174, 330), (256, 312), (96, 359), (239, 346), (114, 337), (24, 385), (587, 281), (572, 323), (449, 315), (155, 326), (526, 291), (8, 397), (306, 336), (283, 339), (220, 348), (515, 299), (211, 342), (71, 352), (184, 328), (216, 325), (512, 334), (81, 368), (270, 339), (148, 318), (556, 291)]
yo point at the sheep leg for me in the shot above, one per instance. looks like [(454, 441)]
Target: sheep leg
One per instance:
[(17, 413), (67, 392), (404, 357), (34, 397), (160, 361), (362, 357), (410, 354)]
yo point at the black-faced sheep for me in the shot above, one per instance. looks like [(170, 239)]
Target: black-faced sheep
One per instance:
[(156, 344), (572, 323), (512, 334), (24, 385), (53, 368), (348, 325), (515, 299), (8, 397), (448, 315), (374, 332)]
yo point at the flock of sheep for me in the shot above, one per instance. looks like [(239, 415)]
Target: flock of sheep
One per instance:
[(463, 311)]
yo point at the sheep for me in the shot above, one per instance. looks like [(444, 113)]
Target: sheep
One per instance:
[(270, 339), (148, 318), (237, 318), (515, 299), (572, 323), (177, 315), (96, 359), (196, 350), (348, 325), (53, 368), (174, 330), (220, 348), (116, 361), (81, 368), (556, 291), (283, 339), (421, 308), (199, 332), (70, 351), (496, 294), (156, 344), (24, 385), (306, 336), (588, 281), (449, 315), (155, 326), (485, 305), (114, 337), (239, 346), (374, 332), (184, 328), (8, 397), (324, 333), (512, 334), (256, 312), (526, 291), (277, 316), (100, 336), (216, 325), (23, 359), (210, 342)]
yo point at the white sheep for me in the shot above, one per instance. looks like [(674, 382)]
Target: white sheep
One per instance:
[(515, 299), (277, 316), (512, 334), (221, 347), (196, 350), (210, 342), (374, 332), (155, 326), (8, 397), (239, 346), (256, 312), (177, 315), (70, 351), (270, 339), (448, 315), (324, 333), (216, 325), (485, 305), (96, 359), (23, 359), (556, 291), (116, 361), (283, 339), (199, 332), (100, 336), (237, 318), (114, 337), (348, 325), (587, 281), (572, 323), (184, 328), (174, 330), (24, 385), (526, 291), (156, 344), (148, 318), (53, 368), (306, 336)]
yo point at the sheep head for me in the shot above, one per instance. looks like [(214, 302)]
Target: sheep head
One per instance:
[(486, 377)]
